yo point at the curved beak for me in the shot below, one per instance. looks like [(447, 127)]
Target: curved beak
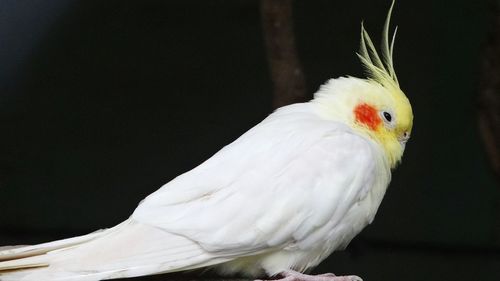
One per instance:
[(403, 145), (403, 140)]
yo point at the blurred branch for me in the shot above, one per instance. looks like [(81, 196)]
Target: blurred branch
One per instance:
[(286, 71), (489, 97), (489, 106)]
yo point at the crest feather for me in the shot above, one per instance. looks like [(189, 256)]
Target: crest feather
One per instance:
[(379, 69)]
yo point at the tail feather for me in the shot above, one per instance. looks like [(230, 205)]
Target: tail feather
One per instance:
[(127, 250), (19, 252)]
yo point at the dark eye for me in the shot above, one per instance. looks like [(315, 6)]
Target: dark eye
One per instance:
[(387, 116)]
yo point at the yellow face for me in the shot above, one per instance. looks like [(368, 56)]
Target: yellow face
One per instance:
[(376, 106), (387, 118)]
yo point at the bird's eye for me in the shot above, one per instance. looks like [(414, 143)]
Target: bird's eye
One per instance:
[(387, 116)]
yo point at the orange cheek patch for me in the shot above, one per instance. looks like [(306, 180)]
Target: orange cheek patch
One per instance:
[(367, 115)]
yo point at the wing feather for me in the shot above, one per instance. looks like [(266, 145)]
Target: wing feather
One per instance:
[(287, 182), (277, 183)]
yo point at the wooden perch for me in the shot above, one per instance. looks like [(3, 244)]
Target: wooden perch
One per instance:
[(286, 71)]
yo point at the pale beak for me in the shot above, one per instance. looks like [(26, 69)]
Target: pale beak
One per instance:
[(403, 139), (403, 145)]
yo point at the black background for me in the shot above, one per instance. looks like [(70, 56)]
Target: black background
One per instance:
[(102, 102)]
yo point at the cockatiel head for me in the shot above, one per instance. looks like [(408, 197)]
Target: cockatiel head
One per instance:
[(376, 107)]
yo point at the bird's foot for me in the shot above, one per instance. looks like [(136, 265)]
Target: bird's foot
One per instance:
[(291, 275)]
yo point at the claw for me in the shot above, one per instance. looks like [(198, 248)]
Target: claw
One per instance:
[(291, 275)]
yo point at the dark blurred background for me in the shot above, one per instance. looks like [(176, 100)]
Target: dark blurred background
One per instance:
[(102, 102)]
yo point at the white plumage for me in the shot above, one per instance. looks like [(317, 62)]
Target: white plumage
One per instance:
[(282, 196)]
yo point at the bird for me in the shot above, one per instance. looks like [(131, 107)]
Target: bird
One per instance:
[(274, 203)]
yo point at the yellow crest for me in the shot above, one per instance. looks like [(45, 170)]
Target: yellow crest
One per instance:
[(380, 70)]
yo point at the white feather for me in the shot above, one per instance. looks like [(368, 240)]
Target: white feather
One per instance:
[(283, 196)]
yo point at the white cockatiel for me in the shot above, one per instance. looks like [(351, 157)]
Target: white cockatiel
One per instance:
[(277, 201)]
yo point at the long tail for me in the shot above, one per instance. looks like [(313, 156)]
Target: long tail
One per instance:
[(126, 250), (18, 261)]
